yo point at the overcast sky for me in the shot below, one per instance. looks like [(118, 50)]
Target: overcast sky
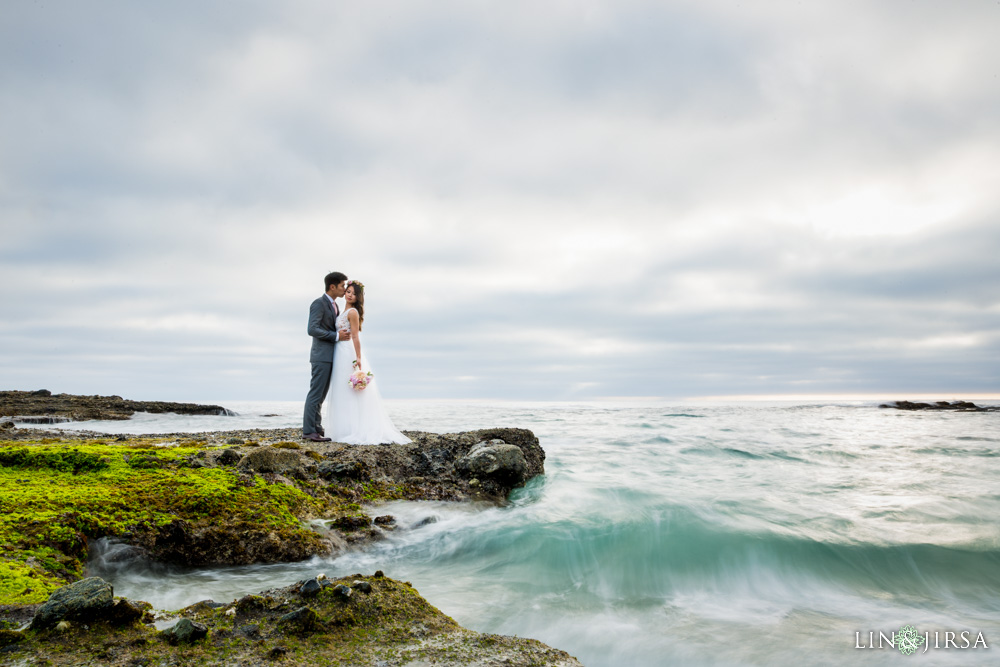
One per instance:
[(545, 200)]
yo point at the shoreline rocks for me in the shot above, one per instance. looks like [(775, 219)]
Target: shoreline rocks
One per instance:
[(356, 619), (202, 499), (202, 479), (954, 406), (44, 407)]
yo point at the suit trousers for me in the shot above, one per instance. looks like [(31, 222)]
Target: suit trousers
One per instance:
[(319, 386)]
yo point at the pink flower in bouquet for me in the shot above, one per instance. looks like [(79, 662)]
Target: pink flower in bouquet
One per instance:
[(359, 380)]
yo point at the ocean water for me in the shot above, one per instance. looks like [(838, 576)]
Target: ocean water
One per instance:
[(685, 534)]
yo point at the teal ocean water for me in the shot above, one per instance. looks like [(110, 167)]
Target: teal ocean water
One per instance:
[(687, 534)]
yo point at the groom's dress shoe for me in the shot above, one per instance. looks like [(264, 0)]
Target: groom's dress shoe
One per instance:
[(316, 437)]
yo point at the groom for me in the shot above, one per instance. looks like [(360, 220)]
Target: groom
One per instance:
[(322, 327)]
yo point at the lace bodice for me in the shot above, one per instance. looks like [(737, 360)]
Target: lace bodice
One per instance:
[(342, 322)]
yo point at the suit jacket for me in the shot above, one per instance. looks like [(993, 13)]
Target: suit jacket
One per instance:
[(323, 329)]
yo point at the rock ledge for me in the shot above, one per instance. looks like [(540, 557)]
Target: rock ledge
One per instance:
[(42, 407)]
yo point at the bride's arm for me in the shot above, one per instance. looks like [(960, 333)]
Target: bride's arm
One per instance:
[(352, 317)]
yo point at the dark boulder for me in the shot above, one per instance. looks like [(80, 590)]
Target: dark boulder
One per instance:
[(186, 631), (85, 600), (343, 470), (126, 612), (310, 588), (496, 460), (250, 631), (300, 621), (228, 457), (350, 523)]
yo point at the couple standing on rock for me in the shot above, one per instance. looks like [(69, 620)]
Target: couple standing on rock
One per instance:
[(354, 416)]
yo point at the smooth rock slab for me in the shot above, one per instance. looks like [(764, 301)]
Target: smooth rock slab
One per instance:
[(85, 600)]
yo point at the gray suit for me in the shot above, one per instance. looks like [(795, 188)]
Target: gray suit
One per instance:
[(322, 328)]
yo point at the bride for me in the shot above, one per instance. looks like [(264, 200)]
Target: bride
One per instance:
[(356, 417)]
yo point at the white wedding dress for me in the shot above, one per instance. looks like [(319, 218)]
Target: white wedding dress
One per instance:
[(356, 417)]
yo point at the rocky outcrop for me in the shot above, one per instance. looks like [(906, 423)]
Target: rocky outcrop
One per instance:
[(358, 620), (187, 503), (42, 407), (954, 406), (483, 465), (228, 543)]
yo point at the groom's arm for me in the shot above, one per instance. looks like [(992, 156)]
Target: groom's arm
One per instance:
[(315, 328)]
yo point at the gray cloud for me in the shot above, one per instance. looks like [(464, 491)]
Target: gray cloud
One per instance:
[(545, 201)]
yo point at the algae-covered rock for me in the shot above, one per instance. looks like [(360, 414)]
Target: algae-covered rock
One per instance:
[(300, 621), (9, 637), (385, 622), (270, 459), (186, 631), (123, 611), (86, 600), (231, 542), (229, 457)]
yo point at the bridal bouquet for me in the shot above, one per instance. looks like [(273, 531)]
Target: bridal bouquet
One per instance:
[(359, 380)]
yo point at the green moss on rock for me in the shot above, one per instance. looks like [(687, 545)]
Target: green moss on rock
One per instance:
[(55, 497)]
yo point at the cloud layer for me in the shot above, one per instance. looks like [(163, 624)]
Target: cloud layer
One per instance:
[(546, 200)]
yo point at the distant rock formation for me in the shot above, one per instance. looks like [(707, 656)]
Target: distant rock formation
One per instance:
[(42, 407), (954, 406)]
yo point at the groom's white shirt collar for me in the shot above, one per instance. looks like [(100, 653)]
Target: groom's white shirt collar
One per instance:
[(332, 301)]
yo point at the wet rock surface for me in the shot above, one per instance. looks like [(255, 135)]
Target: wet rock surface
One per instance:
[(224, 543), (358, 620), (43, 407), (186, 631), (85, 600), (486, 464), (328, 485)]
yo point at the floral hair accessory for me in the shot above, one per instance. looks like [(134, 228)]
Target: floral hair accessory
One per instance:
[(356, 282)]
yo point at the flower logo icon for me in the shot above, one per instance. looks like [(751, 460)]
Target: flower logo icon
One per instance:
[(908, 640)]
